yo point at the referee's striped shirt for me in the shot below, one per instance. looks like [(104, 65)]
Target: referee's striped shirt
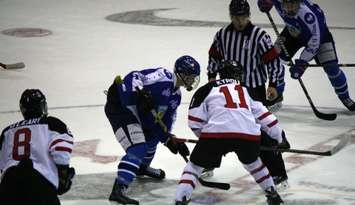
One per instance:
[(253, 48)]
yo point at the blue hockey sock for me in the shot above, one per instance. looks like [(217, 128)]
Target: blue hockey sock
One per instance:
[(337, 79), (130, 163), (152, 146)]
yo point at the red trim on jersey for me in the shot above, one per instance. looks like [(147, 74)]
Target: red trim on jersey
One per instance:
[(257, 169), (270, 55), (263, 116), (230, 135), (196, 119), (187, 181), (273, 123), (64, 149), (262, 179), (60, 140), (214, 53)]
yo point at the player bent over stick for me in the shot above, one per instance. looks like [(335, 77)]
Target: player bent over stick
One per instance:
[(35, 155), (226, 119), (129, 109), (306, 27)]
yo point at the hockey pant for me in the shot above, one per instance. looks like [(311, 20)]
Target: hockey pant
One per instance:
[(24, 185)]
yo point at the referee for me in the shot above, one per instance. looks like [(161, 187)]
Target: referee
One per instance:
[(252, 47)]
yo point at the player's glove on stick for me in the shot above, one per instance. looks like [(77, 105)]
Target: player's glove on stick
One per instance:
[(298, 68), (145, 100), (177, 147), (66, 175), (265, 5)]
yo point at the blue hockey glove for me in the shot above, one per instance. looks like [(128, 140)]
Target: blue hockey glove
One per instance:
[(265, 5), (145, 100), (298, 68)]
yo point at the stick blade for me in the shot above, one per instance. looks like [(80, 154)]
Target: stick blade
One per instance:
[(326, 116), (323, 116), (14, 66)]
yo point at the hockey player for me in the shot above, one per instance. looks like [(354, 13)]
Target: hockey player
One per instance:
[(133, 107), (226, 119), (252, 47), (306, 27), (34, 155)]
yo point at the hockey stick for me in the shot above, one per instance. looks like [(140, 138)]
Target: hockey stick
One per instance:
[(219, 185), (13, 66), (320, 115), (340, 65), (159, 121), (342, 143)]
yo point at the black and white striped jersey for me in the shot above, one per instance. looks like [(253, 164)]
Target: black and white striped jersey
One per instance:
[(253, 48)]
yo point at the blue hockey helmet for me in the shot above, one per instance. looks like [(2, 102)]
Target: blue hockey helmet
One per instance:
[(187, 69), (33, 104)]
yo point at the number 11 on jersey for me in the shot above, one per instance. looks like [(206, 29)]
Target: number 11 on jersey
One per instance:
[(229, 99)]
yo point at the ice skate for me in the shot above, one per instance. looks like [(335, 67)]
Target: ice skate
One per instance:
[(183, 202), (118, 195), (273, 198), (349, 103), (151, 172)]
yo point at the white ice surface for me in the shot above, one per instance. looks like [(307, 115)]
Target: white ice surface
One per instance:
[(75, 64)]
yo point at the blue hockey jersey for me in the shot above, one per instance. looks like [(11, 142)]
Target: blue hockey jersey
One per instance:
[(309, 25), (161, 83)]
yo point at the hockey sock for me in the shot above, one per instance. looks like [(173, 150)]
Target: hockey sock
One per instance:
[(152, 146), (188, 181), (260, 173), (130, 163), (337, 79)]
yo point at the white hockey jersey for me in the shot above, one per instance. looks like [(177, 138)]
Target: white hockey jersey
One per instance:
[(224, 109), (46, 141)]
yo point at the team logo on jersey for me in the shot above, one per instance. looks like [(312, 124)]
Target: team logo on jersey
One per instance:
[(168, 74), (309, 18), (174, 104), (166, 92), (246, 44)]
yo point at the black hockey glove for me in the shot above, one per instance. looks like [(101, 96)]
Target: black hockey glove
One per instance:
[(145, 101), (65, 174), (177, 147)]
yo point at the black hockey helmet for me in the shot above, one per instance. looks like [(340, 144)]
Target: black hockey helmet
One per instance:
[(231, 69), (33, 104), (239, 8)]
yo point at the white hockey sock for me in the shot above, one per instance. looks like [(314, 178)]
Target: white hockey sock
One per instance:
[(260, 173), (188, 181)]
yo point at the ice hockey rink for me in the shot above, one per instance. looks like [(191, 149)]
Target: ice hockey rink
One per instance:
[(80, 46)]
